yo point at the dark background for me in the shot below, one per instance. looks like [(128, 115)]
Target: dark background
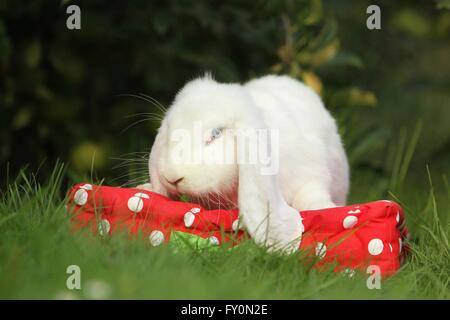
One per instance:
[(61, 91)]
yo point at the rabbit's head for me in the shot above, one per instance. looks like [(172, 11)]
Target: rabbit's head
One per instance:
[(197, 149)]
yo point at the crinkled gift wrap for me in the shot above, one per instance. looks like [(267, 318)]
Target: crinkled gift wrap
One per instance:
[(352, 237)]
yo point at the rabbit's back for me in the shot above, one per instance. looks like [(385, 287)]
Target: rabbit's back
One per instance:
[(310, 147), (284, 98)]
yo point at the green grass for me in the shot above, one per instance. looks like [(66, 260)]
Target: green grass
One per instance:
[(37, 246)]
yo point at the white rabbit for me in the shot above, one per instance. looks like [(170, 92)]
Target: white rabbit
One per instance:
[(313, 170)]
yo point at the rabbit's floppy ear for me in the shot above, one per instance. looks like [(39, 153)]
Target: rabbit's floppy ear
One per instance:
[(155, 178), (266, 215)]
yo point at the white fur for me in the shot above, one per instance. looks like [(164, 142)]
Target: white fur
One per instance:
[(313, 170)]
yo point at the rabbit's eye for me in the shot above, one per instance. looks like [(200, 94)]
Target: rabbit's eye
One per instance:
[(215, 133)]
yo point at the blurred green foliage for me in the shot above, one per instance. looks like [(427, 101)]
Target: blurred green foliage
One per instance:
[(63, 93), (60, 87)]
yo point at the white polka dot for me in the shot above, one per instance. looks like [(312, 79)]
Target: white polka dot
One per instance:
[(142, 195), (87, 186), (189, 218), (195, 210), (213, 240), (135, 204), (156, 237), (321, 250), (103, 227), (350, 222), (400, 245), (390, 247), (397, 218), (387, 201), (80, 197), (354, 211), (375, 247)]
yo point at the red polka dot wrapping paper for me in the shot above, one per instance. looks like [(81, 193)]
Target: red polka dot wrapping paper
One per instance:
[(352, 237)]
